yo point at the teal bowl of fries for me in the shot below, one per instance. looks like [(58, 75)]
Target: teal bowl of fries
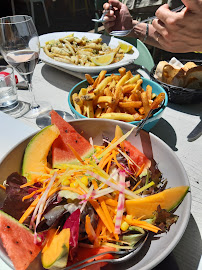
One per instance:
[(83, 103)]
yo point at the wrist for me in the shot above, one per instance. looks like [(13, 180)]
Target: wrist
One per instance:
[(140, 30)]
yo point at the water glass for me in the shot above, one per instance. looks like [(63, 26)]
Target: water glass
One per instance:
[(8, 92)]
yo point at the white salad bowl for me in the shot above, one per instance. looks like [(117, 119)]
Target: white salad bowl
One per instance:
[(157, 247)]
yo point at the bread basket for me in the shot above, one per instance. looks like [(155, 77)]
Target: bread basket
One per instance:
[(177, 94)]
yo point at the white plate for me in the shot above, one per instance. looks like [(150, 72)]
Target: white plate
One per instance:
[(157, 248), (111, 41)]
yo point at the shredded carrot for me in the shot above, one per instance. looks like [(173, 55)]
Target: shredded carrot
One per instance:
[(29, 196), (109, 165), (114, 153), (137, 185), (100, 213), (99, 227), (104, 160), (143, 224), (111, 202), (75, 153), (29, 210), (105, 210), (30, 183), (140, 170), (1, 186), (107, 215), (90, 232)]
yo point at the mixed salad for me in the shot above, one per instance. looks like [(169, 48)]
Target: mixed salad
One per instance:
[(89, 204)]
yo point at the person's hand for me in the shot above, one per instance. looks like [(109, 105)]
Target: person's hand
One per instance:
[(118, 18), (180, 32)]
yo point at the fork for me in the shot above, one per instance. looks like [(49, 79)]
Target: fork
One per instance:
[(128, 254), (143, 122), (101, 19), (123, 33)]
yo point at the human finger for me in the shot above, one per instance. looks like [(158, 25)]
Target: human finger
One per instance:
[(164, 14), (160, 27), (193, 5)]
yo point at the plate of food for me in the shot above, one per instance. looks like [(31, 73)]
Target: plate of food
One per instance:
[(88, 191), (85, 52)]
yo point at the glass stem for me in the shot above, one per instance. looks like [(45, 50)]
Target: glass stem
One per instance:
[(34, 104)]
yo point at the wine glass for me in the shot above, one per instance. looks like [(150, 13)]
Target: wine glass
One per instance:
[(20, 47)]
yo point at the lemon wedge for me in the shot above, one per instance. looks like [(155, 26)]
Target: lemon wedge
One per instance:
[(103, 60), (125, 47)]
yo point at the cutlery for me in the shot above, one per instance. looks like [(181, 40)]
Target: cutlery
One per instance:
[(101, 19), (143, 122), (196, 132), (123, 33), (126, 255)]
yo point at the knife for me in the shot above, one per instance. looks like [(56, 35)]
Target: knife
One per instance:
[(196, 132)]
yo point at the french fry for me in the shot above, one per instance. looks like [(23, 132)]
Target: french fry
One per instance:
[(88, 96), (100, 88), (76, 105), (98, 112), (101, 76), (108, 92), (158, 101), (141, 110), (117, 95), (133, 97), (118, 116), (82, 92), (138, 117), (130, 110), (88, 105), (134, 79), (130, 104), (124, 79), (122, 71), (89, 79), (106, 99), (128, 88), (145, 102), (149, 92)]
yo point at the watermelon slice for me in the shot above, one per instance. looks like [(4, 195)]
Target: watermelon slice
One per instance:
[(18, 242), (61, 152), (138, 157)]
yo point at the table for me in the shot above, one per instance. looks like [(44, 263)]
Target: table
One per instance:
[(178, 121)]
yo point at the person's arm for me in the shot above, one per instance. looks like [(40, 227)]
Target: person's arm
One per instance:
[(181, 31), (119, 18), (174, 32)]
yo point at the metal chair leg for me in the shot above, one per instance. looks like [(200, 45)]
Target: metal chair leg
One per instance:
[(46, 14)]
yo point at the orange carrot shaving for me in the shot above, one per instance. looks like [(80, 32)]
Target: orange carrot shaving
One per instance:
[(143, 224), (100, 213), (30, 183), (1, 186), (137, 185), (29, 210), (90, 232), (29, 196), (99, 227), (111, 202), (75, 153), (109, 165), (140, 170), (104, 160)]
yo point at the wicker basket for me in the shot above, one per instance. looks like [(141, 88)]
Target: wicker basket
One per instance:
[(181, 95)]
